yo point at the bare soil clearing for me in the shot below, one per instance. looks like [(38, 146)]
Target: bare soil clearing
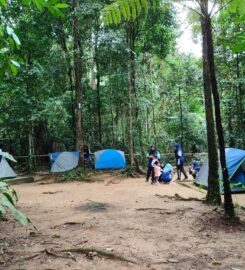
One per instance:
[(127, 224)]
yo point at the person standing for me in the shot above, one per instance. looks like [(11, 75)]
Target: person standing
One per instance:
[(179, 156), (152, 155), (157, 172)]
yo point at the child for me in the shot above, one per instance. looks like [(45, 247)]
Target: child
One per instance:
[(157, 172)]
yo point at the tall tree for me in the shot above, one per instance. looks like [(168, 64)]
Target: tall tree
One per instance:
[(209, 70), (78, 89), (213, 195), (131, 85)]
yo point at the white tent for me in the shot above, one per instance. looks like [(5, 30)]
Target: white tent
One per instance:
[(5, 170)]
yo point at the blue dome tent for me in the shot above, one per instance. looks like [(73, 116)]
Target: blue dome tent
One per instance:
[(235, 161), (109, 159)]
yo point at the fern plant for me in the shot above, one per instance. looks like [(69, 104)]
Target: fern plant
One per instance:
[(8, 200), (127, 9)]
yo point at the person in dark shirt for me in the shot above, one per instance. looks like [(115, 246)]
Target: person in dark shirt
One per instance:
[(153, 154), (179, 156)]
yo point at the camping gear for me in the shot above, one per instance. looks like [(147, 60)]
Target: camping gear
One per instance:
[(235, 158), (64, 161), (5, 170), (166, 175), (109, 159)]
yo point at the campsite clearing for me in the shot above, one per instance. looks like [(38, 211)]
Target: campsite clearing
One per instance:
[(119, 224)]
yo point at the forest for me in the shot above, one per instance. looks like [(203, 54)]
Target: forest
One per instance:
[(38, 99), (109, 74)]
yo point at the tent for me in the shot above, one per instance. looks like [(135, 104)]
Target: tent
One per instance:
[(64, 161), (5, 170), (235, 160), (109, 159)]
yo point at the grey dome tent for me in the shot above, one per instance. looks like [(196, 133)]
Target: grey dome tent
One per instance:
[(64, 161), (5, 170), (235, 160)]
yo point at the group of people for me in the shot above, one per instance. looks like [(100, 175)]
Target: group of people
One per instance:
[(163, 173)]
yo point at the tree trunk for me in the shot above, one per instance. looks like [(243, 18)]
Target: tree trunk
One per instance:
[(69, 74), (31, 148), (30, 126), (96, 58), (213, 194), (111, 108), (99, 106), (130, 90), (228, 204), (181, 117), (240, 109), (78, 89), (230, 128), (137, 111), (153, 104)]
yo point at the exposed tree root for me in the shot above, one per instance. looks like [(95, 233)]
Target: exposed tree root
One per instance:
[(50, 253), (52, 192), (102, 253), (148, 209), (74, 223), (177, 197), (163, 211)]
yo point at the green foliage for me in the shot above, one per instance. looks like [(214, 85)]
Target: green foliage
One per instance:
[(79, 174), (9, 40), (8, 200), (128, 9), (41, 95), (230, 68)]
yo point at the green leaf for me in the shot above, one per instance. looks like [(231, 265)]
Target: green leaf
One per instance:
[(16, 39), (18, 215), (62, 5), (9, 198), (11, 43), (13, 69), (4, 50), (10, 30), (27, 2), (38, 4), (3, 184), (123, 10), (138, 5), (15, 63), (145, 5), (2, 211), (133, 9), (118, 14), (3, 3), (114, 16), (127, 8)]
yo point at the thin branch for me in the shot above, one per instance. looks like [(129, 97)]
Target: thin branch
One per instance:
[(227, 4), (213, 7), (192, 9)]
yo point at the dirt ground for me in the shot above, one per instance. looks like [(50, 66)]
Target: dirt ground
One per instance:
[(120, 224)]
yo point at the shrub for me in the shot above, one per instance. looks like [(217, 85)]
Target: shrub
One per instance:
[(8, 200)]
